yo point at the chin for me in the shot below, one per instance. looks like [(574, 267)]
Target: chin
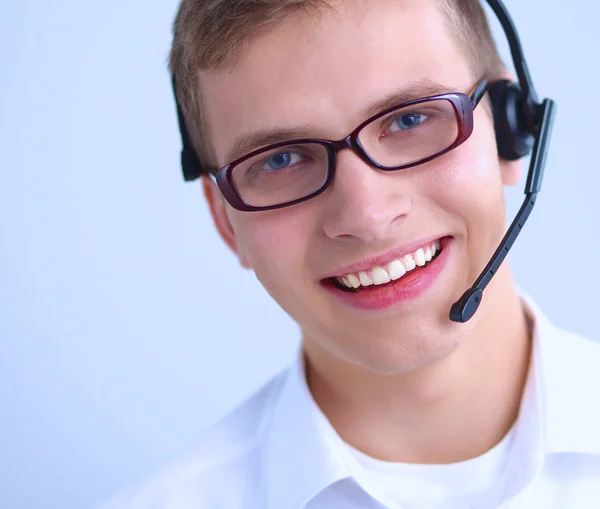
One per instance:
[(413, 348), (411, 356)]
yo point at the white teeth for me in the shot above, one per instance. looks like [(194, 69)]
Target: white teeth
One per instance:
[(428, 255), (420, 258), (409, 263), (364, 279), (354, 281), (396, 269), (380, 276)]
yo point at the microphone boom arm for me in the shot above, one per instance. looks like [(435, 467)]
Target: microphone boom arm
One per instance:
[(463, 309)]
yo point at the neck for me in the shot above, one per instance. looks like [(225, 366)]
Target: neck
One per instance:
[(452, 410)]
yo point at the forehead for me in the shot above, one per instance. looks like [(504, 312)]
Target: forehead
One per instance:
[(319, 73)]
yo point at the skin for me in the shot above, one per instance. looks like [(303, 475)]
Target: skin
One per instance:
[(403, 384)]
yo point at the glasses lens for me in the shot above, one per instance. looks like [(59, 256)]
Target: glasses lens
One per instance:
[(281, 175), (411, 134)]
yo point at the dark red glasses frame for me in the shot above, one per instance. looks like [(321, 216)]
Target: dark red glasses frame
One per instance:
[(463, 107)]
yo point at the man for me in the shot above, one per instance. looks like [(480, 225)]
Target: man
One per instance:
[(389, 403)]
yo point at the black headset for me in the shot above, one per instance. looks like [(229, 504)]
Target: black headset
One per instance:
[(522, 125)]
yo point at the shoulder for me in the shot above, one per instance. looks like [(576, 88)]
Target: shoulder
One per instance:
[(572, 351), (571, 362), (570, 376), (560, 349), (220, 470)]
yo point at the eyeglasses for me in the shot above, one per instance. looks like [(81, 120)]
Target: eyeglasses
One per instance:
[(401, 137)]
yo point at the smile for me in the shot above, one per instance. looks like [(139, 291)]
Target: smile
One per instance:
[(391, 272), (394, 282)]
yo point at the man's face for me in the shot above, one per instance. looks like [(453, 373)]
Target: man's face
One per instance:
[(320, 73)]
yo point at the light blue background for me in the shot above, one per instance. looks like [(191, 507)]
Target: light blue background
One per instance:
[(116, 346)]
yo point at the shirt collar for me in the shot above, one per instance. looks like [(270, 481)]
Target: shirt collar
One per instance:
[(567, 372), (305, 455), (554, 416)]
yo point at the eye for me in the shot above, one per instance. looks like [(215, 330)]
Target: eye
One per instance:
[(281, 160), (406, 121)]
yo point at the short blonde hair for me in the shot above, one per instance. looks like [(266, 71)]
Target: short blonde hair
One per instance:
[(208, 34)]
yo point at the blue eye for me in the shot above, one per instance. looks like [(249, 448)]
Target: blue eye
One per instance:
[(407, 121), (279, 161), (283, 162)]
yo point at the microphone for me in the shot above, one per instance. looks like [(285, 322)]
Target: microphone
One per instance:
[(465, 307)]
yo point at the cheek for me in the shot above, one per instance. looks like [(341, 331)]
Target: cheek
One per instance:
[(468, 181), (467, 191), (275, 244)]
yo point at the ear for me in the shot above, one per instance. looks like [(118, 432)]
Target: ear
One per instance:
[(218, 211), (510, 172)]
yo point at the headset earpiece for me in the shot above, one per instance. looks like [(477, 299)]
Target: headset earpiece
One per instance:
[(512, 135)]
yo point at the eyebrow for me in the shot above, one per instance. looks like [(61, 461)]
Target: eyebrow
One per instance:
[(247, 142)]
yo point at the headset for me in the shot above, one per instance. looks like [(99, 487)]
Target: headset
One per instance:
[(523, 125)]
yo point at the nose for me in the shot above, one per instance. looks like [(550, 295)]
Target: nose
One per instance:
[(364, 203)]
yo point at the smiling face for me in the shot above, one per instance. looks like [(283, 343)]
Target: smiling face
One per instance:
[(319, 75)]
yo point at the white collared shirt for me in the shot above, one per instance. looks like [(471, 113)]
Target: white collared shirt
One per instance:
[(279, 451), (463, 485)]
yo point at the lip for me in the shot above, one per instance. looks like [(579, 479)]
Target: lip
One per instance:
[(381, 260), (406, 288)]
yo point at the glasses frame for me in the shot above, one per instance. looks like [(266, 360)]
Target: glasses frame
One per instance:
[(463, 105)]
